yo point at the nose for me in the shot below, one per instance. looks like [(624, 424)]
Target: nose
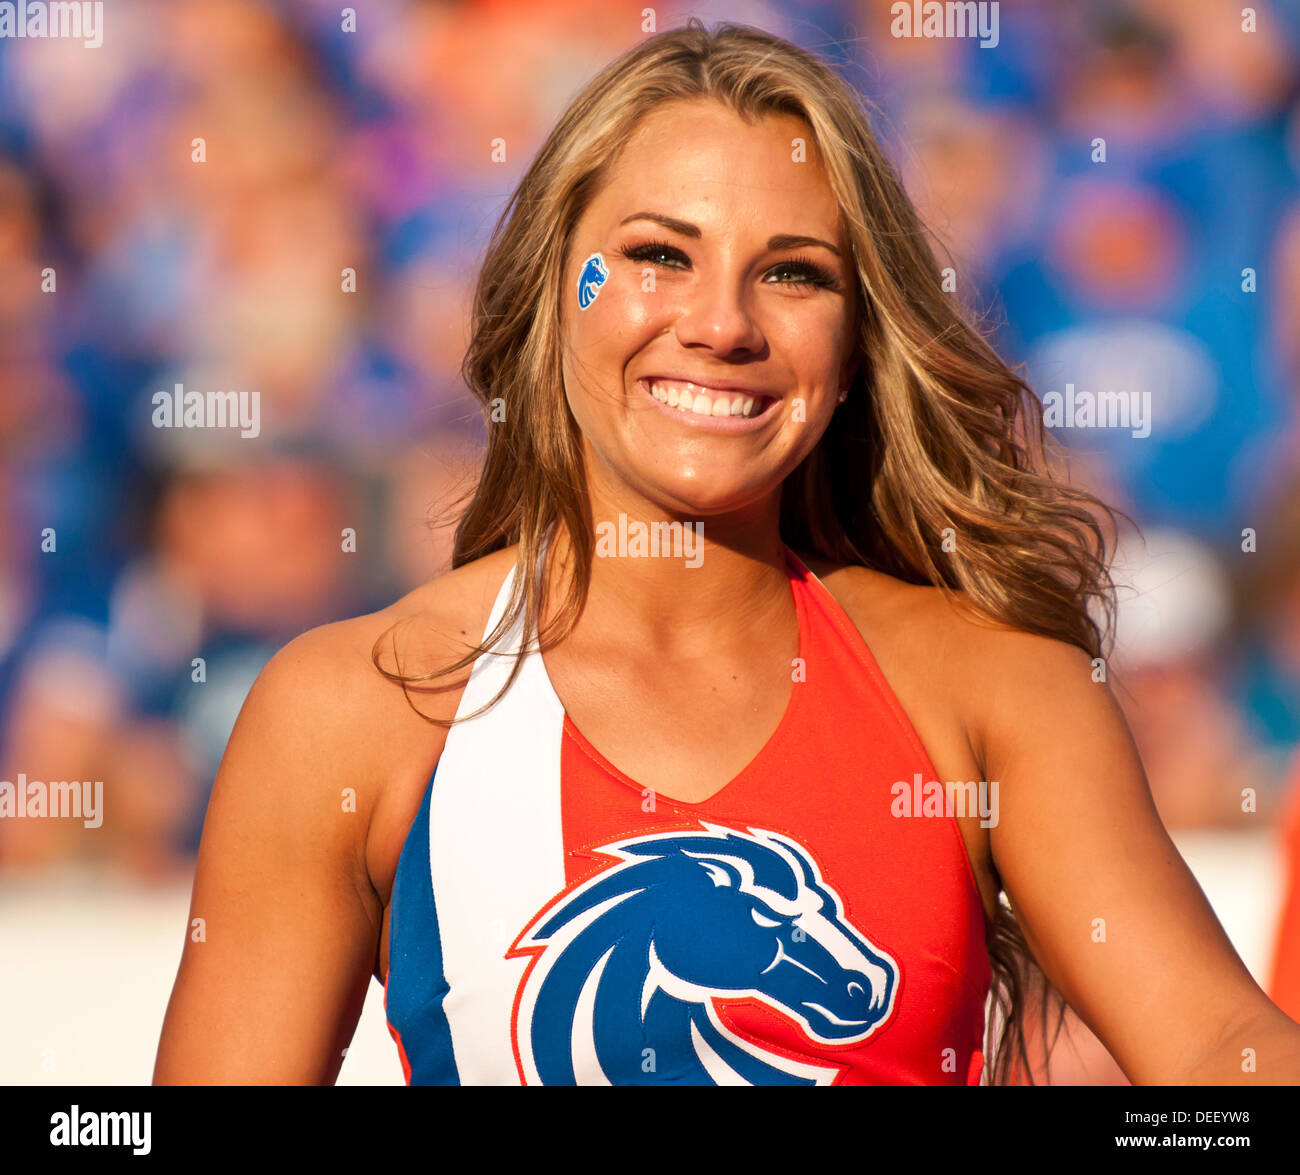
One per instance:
[(864, 990), (717, 317)]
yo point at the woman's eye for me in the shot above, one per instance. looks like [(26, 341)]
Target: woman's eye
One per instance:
[(797, 273), (807, 273), (650, 252)]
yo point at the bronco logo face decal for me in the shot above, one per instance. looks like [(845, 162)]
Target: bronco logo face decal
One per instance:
[(627, 966), (593, 276)]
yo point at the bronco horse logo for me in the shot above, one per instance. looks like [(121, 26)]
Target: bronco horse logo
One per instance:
[(626, 967), (593, 275)]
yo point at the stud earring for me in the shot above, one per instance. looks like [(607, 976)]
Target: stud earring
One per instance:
[(844, 394)]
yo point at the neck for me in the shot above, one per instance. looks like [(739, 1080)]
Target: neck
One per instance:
[(725, 583)]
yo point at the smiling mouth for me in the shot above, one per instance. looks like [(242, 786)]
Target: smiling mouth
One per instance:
[(698, 400)]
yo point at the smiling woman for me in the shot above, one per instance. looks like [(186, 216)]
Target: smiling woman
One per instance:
[(744, 337), (614, 819)]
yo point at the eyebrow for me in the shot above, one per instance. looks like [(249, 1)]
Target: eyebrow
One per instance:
[(778, 242)]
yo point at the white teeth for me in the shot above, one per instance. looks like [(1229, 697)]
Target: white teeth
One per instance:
[(688, 399)]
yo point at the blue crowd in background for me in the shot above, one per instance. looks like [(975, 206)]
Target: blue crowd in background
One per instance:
[(1115, 184)]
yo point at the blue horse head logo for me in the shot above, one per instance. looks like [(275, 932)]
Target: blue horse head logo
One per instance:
[(628, 964), (592, 277)]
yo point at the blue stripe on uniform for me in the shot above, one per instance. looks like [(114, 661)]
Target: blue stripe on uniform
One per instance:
[(416, 983)]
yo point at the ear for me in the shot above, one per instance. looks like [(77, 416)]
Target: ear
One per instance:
[(849, 372)]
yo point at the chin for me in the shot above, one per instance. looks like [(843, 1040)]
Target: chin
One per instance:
[(705, 495)]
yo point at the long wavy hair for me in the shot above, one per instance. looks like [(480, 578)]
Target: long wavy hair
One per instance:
[(938, 437)]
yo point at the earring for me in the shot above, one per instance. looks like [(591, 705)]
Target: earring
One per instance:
[(844, 394)]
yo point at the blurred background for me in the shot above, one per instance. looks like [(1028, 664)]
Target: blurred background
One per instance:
[(147, 574)]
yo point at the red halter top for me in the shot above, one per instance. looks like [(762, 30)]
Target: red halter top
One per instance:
[(554, 922)]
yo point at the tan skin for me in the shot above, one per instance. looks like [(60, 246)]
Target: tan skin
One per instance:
[(294, 890)]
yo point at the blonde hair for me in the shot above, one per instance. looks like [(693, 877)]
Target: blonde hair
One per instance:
[(937, 434)]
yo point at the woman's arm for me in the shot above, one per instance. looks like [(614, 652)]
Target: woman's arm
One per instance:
[(283, 922), (1110, 910)]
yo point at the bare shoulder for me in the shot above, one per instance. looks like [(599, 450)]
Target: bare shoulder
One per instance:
[(322, 720), (941, 623), (329, 680), (951, 618), (990, 673), (318, 784)]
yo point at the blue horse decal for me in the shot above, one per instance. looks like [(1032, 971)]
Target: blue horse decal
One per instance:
[(628, 964), (592, 277)]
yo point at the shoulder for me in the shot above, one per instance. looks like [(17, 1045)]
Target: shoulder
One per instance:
[(444, 613), (438, 621), (950, 618), (993, 674), (323, 694)]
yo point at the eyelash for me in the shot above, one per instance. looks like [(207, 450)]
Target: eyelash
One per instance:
[(816, 276)]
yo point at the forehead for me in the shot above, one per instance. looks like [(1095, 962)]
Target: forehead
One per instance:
[(701, 162)]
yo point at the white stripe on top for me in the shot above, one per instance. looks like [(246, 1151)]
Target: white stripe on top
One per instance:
[(496, 846)]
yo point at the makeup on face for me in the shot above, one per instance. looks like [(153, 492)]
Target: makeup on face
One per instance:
[(593, 275)]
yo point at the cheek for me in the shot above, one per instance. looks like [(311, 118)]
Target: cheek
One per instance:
[(814, 349), (619, 314), (603, 339)]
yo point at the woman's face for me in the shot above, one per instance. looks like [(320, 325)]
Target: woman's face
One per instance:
[(711, 301)]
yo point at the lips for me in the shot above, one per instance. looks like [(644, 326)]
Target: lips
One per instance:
[(763, 408), (720, 399)]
